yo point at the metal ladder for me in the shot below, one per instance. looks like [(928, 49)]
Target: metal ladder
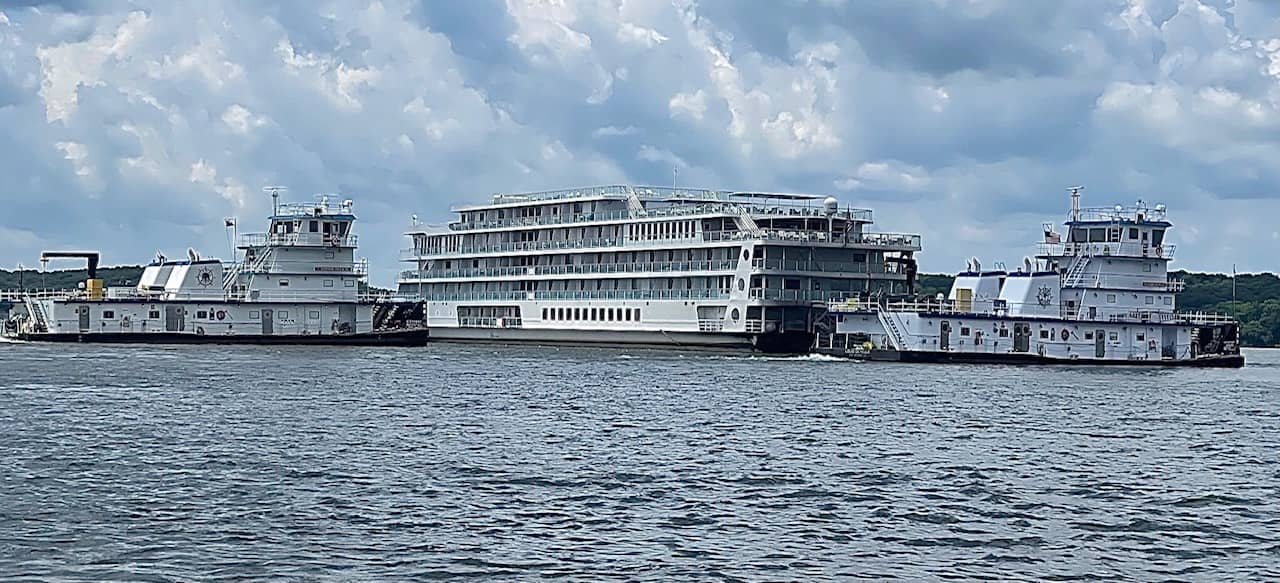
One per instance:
[(1075, 275), (39, 320), (895, 335), (633, 203)]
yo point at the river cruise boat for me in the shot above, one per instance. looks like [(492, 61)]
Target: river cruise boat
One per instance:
[(1098, 294), (299, 282), (624, 265)]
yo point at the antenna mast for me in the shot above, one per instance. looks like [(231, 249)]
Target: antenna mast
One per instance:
[(275, 198), (1075, 202)]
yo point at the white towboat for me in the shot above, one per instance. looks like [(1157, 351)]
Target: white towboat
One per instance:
[(297, 283), (1099, 295)]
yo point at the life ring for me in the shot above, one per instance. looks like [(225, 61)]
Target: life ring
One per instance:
[(222, 315), (1065, 334)]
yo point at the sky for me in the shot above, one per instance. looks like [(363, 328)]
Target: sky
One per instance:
[(133, 127)]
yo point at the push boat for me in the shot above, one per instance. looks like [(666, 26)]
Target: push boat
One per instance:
[(1099, 294), (298, 283)]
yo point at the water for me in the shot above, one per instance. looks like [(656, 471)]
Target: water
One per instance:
[(347, 464)]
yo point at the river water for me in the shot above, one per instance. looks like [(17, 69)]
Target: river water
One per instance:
[(492, 463)]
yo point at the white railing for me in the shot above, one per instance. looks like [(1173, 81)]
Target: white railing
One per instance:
[(1003, 310), (580, 269), (308, 239), (17, 295), (1100, 249), (686, 294), (709, 325), (891, 240)]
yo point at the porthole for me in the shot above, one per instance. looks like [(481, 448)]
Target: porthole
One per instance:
[(746, 254), (735, 314), (742, 284)]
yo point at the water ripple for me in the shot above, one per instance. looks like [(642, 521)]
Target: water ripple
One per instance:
[(479, 463)]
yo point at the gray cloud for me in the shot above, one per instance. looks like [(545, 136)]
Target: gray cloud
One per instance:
[(136, 125)]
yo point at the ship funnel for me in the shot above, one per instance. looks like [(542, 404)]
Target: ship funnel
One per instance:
[(977, 266), (1026, 265), (192, 255)]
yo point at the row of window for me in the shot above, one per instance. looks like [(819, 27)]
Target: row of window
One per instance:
[(1150, 300), (1048, 334), (327, 283), (592, 314)]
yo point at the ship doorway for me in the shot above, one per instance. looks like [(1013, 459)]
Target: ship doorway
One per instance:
[(83, 312), (1168, 342), (174, 318), (1100, 343), (1021, 337), (944, 335), (268, 319)]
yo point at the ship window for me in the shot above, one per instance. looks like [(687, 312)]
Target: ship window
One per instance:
[(964, 330), (1157, 237), (1097, 235), (154, 314), (1088, 335), (637, 314), (313, 314), (577, 314), (314, 227), (202, 314), (1141, 337), (282, 314), (1044, 333), (328, 254), (349, 283), (1150, 300), (1133, 233), (544, 313), (253, 314), (1004, 332), (284, 283), (1168, 300), (1111, 298), (328, 283), (1146, 267), (1113, 336), (108, 314)]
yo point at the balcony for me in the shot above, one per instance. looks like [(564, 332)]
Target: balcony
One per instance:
[(296, 239), (1099, 249), (682, 210), (889, 241), (580, 269)]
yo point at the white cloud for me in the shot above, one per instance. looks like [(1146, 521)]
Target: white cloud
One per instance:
[(651, 154), (639, 35), (690, 105), (614, 131), (886, 176), (241, 120), (68, 67)]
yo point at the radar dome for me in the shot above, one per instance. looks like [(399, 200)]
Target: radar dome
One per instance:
[(830, 204)]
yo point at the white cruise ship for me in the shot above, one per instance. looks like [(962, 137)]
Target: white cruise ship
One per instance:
[(1101, 294), (650, 265)]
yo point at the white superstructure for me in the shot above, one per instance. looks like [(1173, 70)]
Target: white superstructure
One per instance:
[(650, 265), (1101, 294), (299, 281)]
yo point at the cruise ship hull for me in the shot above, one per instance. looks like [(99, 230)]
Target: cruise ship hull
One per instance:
[(795, 342), (416, 337)]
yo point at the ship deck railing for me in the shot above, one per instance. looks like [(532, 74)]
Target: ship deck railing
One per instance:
[(1035, 310), (301, 239), (677, 210), (894, 241), (652, 267), (21, 295), (1105, 249)]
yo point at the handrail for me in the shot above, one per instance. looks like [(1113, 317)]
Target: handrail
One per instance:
[(1103, 249), (1127, 315), (308, 239), (894, 240), (583, 269)]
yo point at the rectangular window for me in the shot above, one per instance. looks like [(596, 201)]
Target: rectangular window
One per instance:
[(284, 283), (1150, 300), (315, 226), (544, 313), (202, 314), (328, 283), (1141, 337), (1004, 332), (637, 314), (313, 314), (282, 314), (964, 330), (1044, 334), (1111, 298), (328, 254), (349, 283), (1088, 335), (1133, 234), (1168, 300), (1113, 336), (254, 314), (108, 314), (154, 314)]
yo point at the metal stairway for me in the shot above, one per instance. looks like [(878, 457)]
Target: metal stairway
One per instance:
[(1075, 276), (633, 203), (890, 326), (39, 321)]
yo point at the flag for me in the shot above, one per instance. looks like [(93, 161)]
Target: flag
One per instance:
[(1052, 237), (230, 223)]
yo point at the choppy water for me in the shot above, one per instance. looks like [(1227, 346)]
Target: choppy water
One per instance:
[(345, 464)]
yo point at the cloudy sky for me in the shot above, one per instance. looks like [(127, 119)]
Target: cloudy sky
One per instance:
[(132, 126)]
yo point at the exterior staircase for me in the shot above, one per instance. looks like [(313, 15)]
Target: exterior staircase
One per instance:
[(895, 333), (1076, 275), (39, 321)]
